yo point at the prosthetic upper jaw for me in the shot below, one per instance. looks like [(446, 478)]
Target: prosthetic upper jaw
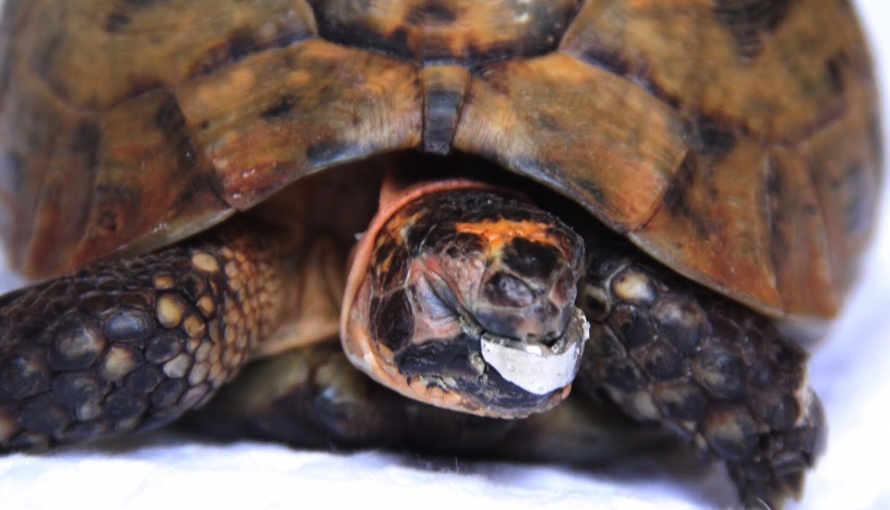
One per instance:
[(537, 367)]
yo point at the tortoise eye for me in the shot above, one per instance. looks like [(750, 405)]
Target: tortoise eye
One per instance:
[(504, 289), (429, 303)]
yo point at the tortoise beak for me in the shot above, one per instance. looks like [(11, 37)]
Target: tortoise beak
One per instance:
[(537, 367)]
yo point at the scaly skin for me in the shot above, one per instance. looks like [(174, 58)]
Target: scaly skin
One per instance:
[(715, 373), (131, 344), (313, 397)]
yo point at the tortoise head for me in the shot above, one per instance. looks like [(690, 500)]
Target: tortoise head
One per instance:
[(465, 299)]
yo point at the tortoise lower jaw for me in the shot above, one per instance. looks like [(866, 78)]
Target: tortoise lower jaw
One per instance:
[(536, 367), (490, 375)]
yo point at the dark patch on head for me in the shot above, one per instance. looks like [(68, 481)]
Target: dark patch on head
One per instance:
[(441, 357), (427, 231), (116, 21), (392, 320), (749, 20), (715, 136), (431, 12), (440, 119), (397, 268), (430, 234), (382, 250), (493, 390), (530, 259), (281, 108), (450, 358), (328, 152)]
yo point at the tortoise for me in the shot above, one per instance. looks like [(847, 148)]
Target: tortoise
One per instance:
[(417, 223)]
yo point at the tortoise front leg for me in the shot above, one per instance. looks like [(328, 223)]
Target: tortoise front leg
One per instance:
[(131, 344), (708, 369), (313, 397)]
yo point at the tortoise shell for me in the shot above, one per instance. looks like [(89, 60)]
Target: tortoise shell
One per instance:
[(737, 141)]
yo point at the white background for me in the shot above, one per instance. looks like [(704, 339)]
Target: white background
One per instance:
[(851, 373)]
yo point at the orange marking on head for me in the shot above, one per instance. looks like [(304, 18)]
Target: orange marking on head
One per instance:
[(498, 233), (393, 198)]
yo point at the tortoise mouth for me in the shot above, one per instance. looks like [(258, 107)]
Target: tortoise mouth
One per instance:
[(464, 367), (538, 367), (492, 374)]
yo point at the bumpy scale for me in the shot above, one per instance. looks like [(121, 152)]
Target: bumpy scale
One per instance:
[(706, 368), (132, 344)]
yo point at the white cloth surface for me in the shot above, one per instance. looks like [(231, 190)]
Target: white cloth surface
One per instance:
[(851, 373)]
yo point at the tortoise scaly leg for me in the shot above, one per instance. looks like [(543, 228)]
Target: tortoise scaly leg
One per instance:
[(313, 397), (708, 369), (131, 344)]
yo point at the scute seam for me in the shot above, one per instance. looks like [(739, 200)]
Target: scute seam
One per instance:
[(157, 88), (472, 64)]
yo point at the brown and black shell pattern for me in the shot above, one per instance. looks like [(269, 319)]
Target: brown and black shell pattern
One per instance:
[(735, 140)]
